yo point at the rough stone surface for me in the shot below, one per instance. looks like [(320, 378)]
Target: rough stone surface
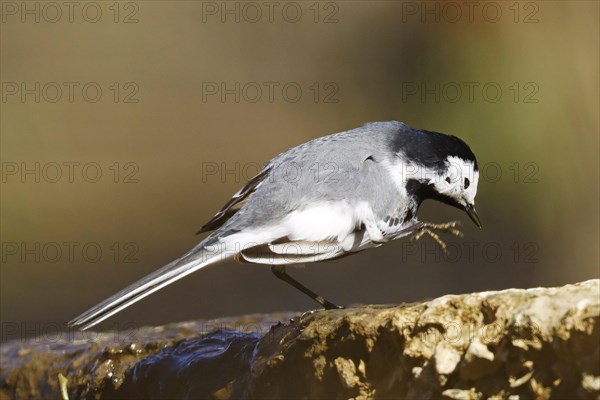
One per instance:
[(537, 343)]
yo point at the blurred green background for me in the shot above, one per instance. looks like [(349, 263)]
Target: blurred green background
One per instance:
[(517, 81)]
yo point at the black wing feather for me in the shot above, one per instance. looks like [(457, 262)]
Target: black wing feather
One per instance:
[(235, 203)]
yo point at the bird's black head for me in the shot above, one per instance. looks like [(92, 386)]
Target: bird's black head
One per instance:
[(440, 167)]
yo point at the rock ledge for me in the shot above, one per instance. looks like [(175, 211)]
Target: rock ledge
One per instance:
[(536, 343)]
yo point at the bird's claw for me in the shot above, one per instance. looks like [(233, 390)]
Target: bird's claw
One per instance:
[(429, 228)]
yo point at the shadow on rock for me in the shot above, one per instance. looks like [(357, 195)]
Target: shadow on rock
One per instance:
[(214, 366)]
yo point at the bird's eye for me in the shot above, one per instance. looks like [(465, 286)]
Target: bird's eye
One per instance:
[(448, 179), (467, 183)]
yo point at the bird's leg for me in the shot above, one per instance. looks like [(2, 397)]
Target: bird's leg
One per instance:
[(429, 228), (279, 271)]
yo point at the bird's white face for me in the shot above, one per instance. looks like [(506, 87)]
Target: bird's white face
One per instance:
[(459, 181)]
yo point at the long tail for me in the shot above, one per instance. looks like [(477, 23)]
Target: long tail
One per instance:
[(195, 259)]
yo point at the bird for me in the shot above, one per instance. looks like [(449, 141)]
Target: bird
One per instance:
[(327, 198)]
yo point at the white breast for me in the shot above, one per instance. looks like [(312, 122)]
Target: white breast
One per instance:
[(328, 222)]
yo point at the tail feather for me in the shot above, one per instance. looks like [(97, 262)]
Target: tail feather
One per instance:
[(190, 262)]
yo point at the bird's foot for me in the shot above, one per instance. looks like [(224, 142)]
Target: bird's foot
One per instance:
[(428, 229), (328, 305), (449, 227)]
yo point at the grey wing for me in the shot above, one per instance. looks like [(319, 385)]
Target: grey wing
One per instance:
[(346, 167), (300, 178), (347, 179)]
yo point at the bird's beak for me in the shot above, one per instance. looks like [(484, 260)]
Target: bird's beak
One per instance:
[(470, 210)]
